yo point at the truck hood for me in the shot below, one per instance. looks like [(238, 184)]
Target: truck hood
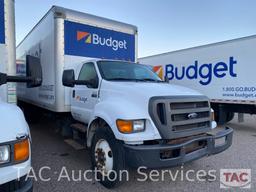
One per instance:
[(130, 100), (146, 90), (12, 121)]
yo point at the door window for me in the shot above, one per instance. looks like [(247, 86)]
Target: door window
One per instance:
[(88, 73)]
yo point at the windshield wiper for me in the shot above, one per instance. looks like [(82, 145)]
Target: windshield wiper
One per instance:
[(140, 80), (121, 79), (151, 80)]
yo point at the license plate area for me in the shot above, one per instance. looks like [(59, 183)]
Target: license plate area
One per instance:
[(174, 153)]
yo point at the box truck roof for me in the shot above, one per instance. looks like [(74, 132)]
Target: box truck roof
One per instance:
[(80, 17), (202, 46)]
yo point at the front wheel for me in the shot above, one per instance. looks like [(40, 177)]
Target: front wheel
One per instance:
[(107, 155)]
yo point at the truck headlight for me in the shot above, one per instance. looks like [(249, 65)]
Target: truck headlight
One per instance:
[(130, 126), (4, 154), (21, 151)]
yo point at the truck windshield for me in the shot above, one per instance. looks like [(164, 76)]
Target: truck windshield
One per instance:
[(125, 71)]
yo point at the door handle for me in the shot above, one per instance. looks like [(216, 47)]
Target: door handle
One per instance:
[(73, 93), (94, 95)]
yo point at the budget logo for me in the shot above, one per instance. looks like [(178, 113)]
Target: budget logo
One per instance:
[(81, 99), (235, 178), (81, 35), (204, 73), (95, 42), (98, 40), (159, 71)]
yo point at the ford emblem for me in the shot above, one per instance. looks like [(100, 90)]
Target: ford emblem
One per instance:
[(192, 115)]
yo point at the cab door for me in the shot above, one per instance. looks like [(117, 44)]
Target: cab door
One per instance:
[(85, 97)]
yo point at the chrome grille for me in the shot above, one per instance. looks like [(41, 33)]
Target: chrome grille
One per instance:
[(180, 116)]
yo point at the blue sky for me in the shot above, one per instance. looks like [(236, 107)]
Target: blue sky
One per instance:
[(164, 25)]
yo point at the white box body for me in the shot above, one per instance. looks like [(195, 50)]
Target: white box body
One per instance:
[(62, 39)]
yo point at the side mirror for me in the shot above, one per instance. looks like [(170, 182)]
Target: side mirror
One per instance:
[(68, 78), (166, 79), (34, 71), (33, 76), (93, 83)]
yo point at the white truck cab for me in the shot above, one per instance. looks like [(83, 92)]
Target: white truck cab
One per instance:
[(134, 118)]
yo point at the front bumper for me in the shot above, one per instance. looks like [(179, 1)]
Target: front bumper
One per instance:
[(21, 185), (150, 156)]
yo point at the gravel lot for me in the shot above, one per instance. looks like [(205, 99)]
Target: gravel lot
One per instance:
[(49, 149)]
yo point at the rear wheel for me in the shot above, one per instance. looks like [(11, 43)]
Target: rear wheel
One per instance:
[(107, 156), (230, 116)]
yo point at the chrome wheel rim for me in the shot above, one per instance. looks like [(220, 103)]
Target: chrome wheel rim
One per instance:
[(103, 157)]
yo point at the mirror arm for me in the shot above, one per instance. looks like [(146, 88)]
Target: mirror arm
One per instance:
[(81, 82), (19, 79)]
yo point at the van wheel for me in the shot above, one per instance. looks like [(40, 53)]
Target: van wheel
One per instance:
[(107, 156)]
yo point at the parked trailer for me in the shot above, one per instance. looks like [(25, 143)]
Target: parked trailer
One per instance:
[(223, 71), (15, 140), (120, 109)]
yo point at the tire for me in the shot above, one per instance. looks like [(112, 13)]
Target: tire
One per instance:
[(223, 117), (115, 154), (230, 116)]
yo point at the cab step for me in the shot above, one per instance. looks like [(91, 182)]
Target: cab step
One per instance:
[(79, 133), (77, 146), (79, 127)]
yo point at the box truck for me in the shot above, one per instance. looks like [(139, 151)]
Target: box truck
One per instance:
[(123, 112), (222, 71), (15, 140)]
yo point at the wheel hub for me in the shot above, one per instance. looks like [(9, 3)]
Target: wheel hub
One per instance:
[(103, 156), (100, 156)]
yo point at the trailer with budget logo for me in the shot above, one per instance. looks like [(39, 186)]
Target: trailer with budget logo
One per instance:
[(62, 39), (223, 71)]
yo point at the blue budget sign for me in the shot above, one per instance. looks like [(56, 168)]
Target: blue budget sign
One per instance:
[(89, 41), (2, 28)]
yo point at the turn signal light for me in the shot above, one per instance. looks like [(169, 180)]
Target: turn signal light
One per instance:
[(124, 126), (130, 126), (21, 151)]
